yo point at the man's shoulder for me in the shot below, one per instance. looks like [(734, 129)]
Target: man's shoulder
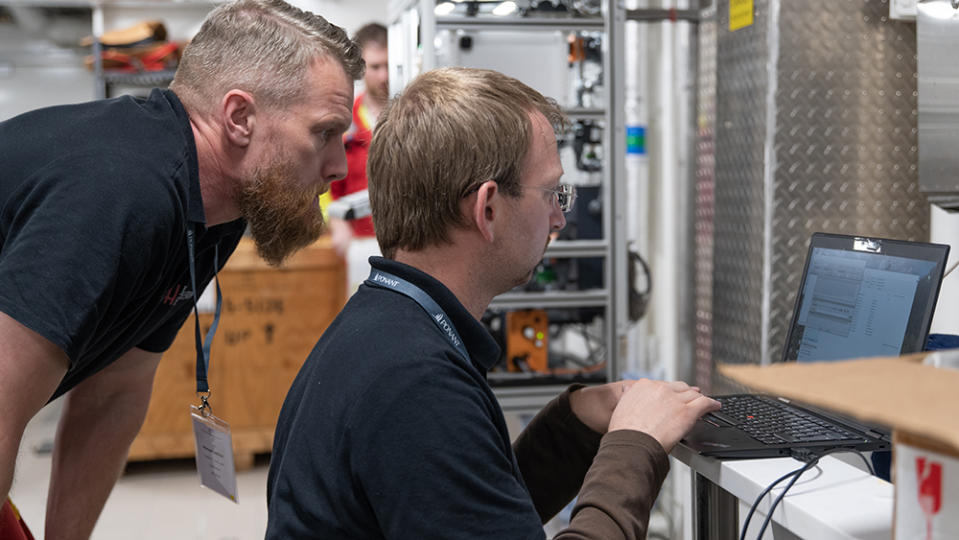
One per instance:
[(386, 323), (384, 334), (121, 143)]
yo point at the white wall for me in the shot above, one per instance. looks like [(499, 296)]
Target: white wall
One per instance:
[(349, 14), (39, 65), (944, 229)]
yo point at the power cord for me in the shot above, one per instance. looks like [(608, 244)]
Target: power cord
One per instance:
[(811, 459), (950, 269)]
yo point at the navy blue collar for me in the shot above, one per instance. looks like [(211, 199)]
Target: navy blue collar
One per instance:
[(483, 350)]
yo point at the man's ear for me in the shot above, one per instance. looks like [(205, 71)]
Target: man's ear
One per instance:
[(486, 208), (239, 116)]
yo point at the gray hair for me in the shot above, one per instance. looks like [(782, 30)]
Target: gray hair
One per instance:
[(263, 47)]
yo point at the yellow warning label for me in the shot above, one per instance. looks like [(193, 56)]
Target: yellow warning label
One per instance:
[(740, 14)]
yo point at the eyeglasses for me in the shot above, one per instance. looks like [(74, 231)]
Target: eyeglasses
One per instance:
[(565, 195)]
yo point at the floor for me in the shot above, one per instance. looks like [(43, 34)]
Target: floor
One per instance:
[(157, 500), (163, 500)]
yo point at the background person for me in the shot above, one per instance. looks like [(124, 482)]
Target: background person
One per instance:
[(95, 203), (355, 240)]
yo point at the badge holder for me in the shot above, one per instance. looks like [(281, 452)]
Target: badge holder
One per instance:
[(214, 450), (212, 436)]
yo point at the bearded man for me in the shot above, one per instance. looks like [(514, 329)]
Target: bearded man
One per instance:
[(115, 213)]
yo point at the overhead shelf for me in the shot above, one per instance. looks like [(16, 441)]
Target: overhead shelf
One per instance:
[(551, 299), (578, 113), (146, 79), (577, 248)]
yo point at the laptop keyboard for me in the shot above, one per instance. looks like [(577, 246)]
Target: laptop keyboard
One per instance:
[(771, 421)]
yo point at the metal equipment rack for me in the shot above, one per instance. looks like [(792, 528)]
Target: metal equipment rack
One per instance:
[(413, 27)]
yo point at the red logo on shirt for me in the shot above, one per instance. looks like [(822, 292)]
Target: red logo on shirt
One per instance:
[(175, 294)]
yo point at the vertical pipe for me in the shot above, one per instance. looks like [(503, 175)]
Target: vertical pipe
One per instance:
[(769, 171), (427, 33), (637, 172), (663, 154), (614, 146)]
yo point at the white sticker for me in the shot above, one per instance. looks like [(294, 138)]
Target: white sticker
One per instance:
[(214, 453)]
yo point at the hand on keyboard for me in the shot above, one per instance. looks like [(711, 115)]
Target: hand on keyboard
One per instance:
[(664, 410)]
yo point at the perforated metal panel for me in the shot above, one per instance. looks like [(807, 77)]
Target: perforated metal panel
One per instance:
[(842, 140)]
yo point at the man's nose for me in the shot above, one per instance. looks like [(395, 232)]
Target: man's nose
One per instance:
[(559, 220), (334, 163)]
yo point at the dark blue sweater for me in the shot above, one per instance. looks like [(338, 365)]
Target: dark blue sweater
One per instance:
[(387, 432)]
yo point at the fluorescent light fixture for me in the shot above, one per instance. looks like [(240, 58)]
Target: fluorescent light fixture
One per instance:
[(504, 8), (939, 10), (444, 9)]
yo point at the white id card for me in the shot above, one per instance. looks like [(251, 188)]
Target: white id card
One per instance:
[(214, 453)]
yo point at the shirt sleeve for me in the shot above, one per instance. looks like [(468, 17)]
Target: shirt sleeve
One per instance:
[(432, 462), (617, 475), (554, 452), (79, 238)]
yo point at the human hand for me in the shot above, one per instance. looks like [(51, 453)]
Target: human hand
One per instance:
[(665, 411), (594, 405)]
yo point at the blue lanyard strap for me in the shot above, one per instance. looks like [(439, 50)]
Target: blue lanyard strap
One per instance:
[(203, 347), (379, 278)]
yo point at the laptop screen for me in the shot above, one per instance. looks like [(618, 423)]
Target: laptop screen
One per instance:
[(864, 297)]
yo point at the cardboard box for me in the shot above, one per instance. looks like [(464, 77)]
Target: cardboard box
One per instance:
[(919, 402)]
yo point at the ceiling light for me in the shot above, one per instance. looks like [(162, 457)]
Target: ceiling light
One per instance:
[(504, 8), (444, 9)]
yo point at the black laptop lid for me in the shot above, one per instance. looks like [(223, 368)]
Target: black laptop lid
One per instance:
[(864, 297)]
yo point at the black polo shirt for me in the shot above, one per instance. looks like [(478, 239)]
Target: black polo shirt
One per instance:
[(95, 201)]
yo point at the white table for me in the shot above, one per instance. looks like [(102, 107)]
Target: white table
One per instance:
[(833, 500)]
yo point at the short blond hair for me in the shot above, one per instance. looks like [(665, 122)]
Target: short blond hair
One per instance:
[(263, 47), (451, 130)]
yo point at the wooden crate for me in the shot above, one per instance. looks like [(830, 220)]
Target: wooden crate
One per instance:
[(271, 320)]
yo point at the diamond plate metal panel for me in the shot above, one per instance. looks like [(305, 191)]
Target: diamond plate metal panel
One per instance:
[(704, 202), (846, 157), (741, 85)]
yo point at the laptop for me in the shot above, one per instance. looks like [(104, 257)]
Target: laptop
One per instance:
[(858, 297)]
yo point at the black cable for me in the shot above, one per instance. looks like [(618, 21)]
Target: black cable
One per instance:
[(799, 455), (865, 460), (803, 454), (772, 508), (752, 509)]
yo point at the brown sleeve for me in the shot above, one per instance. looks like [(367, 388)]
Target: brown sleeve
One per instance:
[(554, 452), (619, 489)]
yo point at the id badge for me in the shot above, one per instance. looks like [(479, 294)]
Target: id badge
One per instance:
[(214, 453)]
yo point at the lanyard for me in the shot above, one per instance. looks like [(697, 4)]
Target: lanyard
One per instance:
[(203, 347), (379, 278)]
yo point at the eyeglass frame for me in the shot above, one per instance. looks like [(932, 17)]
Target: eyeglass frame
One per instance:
[(567, 190), (563, 190)]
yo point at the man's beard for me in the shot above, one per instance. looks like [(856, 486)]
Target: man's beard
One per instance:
[(283, 217)]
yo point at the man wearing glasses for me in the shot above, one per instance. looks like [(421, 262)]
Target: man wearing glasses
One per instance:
[(391, 430)]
